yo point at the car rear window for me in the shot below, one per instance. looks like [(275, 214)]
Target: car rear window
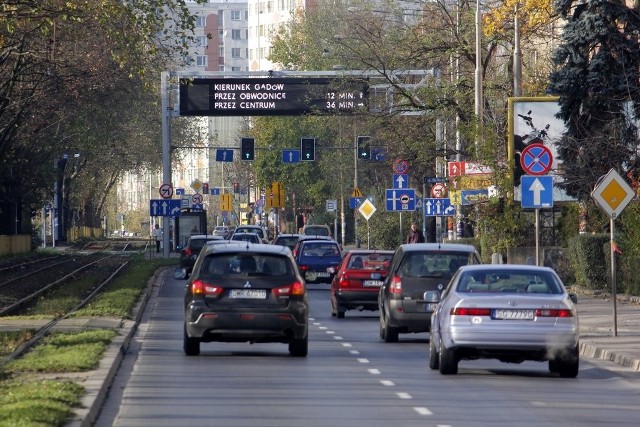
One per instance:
[(509, 282), (257, 230), (246, 238), (316, 231), (289, 241), (370, 261), (225, 265), (433, 264), (197, 244), (320, 249)]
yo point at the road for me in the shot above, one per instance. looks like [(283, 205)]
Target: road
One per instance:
[(350, 378)]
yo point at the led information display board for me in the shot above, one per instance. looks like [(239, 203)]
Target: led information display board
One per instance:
[(272, 96)]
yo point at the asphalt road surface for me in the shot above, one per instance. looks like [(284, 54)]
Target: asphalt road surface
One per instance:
[(350, 378)]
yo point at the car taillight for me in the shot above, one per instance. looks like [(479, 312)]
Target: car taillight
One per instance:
[(187, 252), (470, 311), (303, 267), (553, 312), (344, 281), (296, 288), (295, 253), (198, 287), (395, 287)]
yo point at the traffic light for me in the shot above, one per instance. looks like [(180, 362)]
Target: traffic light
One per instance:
[(247, 148), (363, 147), (307, 149), (236, 187)]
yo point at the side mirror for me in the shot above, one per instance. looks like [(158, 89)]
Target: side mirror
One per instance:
[(180, 273), (573, 297), (179, 248)]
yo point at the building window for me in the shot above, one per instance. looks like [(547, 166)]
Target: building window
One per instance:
[(235, 52), (201, 21), (220, 19), (236, 69), (235, 34), (236, 15), (221, 51), (201, 61), (202, 41)]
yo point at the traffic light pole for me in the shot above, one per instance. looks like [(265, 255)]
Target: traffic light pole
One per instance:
[(355, 185)]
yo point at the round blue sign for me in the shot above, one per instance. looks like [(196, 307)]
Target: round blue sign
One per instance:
[(400, 166)]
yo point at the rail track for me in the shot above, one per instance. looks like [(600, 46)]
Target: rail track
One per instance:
[(24, 282)]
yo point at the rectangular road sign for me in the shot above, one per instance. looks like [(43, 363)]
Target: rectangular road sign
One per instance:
[(470, 197), (291, 156), (438, 207), (400, 199), (537, 191), (355, 202), (164, 207), (400, 180), (224, 155)]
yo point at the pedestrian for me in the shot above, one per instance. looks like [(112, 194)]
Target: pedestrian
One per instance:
[(415, 235), (157, 234)]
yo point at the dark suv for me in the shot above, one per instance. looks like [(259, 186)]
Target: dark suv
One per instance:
[(417, 274), (246, 293)]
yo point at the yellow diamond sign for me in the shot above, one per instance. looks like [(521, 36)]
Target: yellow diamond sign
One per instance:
[(612, 193), (367, 209)]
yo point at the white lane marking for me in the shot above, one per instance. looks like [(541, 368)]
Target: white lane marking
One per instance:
[(329, 332), (387, 383), (317, 323), (404, 395), (354, 352), (338, 338), (363, 360), (346, 344), (374, 371), (322, 328), (422, 410)]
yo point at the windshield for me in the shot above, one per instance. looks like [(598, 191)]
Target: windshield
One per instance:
[(232, 264)]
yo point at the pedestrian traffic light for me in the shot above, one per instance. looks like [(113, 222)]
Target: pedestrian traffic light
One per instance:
[(247, 148), (363, 147), (308, 149), (236, 187)]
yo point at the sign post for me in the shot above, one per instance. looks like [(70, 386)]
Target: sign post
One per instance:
[(613, 194), (367, 209)]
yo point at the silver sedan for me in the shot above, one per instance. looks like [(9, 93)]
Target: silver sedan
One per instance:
[(507, 312)]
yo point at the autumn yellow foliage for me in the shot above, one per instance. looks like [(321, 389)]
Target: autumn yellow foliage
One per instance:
[(533, 14)]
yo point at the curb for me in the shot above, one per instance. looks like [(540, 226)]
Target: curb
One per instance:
[(593, 351), (98, 384)]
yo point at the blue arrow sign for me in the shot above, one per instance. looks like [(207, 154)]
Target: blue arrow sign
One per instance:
[(162, 207), (400, 200), (355, 202), (378, 154), (224, 155), (438, 207), (537, 191), (291, 156), (179, 191), (215, 191), (400, 180)]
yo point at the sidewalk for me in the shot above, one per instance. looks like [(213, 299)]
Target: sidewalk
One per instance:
[(598, 325)]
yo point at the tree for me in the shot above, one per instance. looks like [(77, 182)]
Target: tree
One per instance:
[(598, 81)]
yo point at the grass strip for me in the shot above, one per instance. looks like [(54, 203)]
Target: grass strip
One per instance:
[(30, 403)]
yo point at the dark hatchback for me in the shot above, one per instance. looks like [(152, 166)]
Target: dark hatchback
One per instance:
[(314, 256), (192, 248), (241, 292), (417, 275)]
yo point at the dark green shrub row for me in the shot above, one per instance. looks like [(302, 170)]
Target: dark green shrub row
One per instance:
[(587, 259)]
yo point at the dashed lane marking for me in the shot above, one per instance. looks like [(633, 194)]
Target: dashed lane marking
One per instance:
[(404, 395), (387, 383)]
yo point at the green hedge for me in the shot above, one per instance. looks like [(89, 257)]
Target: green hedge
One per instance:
[(589, 260)]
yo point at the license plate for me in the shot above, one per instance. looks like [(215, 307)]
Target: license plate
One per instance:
[(248, 293), (430, 306), (322, 274), (508, 314), (372, 283)]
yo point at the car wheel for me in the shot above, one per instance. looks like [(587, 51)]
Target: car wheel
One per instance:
[(299, 347), (448, 361), (566, 364), (434, 362), (388, 333), (191, 346), (341, 311)]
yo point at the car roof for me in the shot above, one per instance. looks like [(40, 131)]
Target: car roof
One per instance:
[(206, 236), (305, 237), (238, 246), (288, 235), (505, 267), (368, 251), (411, 247)]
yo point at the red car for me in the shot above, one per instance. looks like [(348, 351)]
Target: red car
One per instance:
[(357, 280)]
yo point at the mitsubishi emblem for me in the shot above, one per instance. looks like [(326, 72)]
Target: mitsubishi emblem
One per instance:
[(247, 285)]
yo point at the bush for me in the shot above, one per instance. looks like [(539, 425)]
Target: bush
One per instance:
[(587, 258)]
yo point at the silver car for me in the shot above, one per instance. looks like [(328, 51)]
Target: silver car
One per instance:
[(507, 312)]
